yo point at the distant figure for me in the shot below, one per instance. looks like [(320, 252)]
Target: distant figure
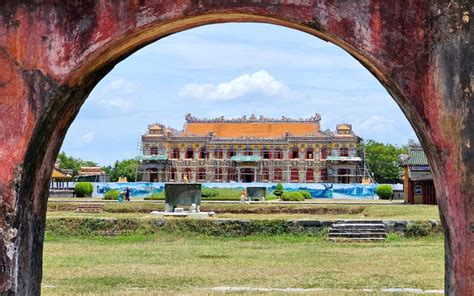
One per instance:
[(243, 196), (127, 194), (185, 178)]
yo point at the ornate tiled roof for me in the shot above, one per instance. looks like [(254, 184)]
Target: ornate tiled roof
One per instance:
[(416, 156), (252, 130), (252, 127)]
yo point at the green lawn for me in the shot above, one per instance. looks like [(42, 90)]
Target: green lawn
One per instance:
[(167, 265)]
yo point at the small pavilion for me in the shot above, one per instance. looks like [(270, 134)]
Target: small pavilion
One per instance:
[(418, 183)]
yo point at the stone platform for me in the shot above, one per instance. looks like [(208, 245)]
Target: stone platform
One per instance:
[(200, 215)]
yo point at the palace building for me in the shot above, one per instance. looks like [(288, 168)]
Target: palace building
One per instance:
[(251, 149)]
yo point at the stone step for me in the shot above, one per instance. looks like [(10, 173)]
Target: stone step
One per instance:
[(90, 208), (359, 222), (356, 235), (356, 230), (359, 239), (353, 226)]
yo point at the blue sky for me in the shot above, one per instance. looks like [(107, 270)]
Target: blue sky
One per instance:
[(231, 70)]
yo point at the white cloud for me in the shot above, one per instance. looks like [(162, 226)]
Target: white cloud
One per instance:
[(88, 138), (375, 123), (117, 104), (122, 86), (260, 81)]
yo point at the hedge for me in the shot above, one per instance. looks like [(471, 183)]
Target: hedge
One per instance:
[(305, 194), (112, 194), (420, 229), (85, 226), (209, 192), (83, 189), (292, 196), (384, 191)]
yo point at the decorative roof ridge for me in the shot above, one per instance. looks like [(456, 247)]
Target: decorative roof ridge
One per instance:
[(164, 129), (344, 123), (253, 118), (156, 123), (415, 156), (412, 144)]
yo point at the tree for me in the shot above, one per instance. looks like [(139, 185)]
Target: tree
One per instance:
[(71, 163), (382, 160), (125, 168)]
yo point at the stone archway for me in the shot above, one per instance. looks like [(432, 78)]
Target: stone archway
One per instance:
[(53, 54)]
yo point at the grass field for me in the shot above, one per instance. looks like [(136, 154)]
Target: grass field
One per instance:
[(192, 265), (264, 211)]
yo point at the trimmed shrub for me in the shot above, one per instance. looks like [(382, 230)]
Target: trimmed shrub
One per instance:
[(278, 190), (83, 189), (112, 194), (384, 191), (305, 194), (271, 197), (209, 192), (292, 196)]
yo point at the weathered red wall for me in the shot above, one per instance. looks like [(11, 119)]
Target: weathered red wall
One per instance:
[(52, 54)]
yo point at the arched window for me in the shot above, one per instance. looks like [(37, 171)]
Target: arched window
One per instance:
[(173, 174), (175, 153), (265, 175), (278, 154), (344, 152), (324, 175), (277, 174), (187, 174), (154, 150), (295, 153), (201, 175), (309, 175), (202, 153), (218, 175), (218, 154), (230, 153), (294, 175), (152, 174), (266, 154), (309, 153), (189, 153), (324, 153)]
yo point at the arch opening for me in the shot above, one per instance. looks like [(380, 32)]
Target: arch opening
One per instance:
[(248, 174)]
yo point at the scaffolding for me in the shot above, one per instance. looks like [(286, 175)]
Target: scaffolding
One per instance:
[(254, 160)]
